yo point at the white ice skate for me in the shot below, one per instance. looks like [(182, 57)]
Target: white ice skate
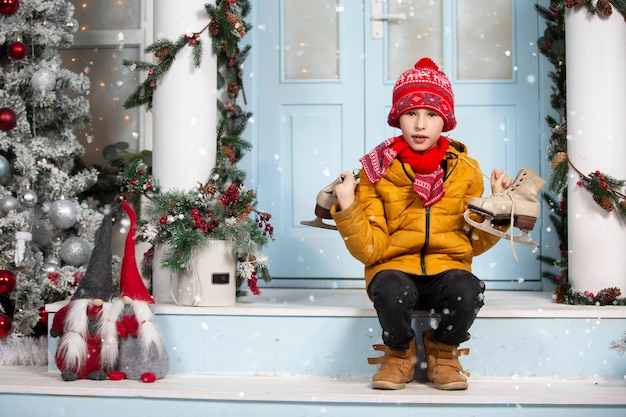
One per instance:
[(325, 200), (518, 203), (323, 203)]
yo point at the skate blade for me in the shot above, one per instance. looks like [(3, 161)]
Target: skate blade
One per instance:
[(318, 223), (487, 226)]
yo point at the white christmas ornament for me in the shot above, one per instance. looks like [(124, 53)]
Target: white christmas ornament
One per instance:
[(43, 80), (20, 246), (63, 214)]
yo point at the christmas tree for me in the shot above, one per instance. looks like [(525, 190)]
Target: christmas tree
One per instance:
[(47, 228)]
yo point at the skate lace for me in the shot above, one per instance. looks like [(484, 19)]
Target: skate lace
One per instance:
[(502, 194)]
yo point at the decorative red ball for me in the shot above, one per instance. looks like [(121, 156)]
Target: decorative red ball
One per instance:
[(8, 119), (17, 50), (9, 7), (7, 281), (5, 325)]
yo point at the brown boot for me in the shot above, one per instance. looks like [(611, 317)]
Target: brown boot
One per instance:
[(442, 363), (397, 367)]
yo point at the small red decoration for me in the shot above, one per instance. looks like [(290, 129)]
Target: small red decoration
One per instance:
[(43, 316), (5, 325), (17, 50), (9, 7), (7, 281), (8, 119)]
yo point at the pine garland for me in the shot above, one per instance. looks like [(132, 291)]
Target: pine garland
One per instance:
[(604, 189)]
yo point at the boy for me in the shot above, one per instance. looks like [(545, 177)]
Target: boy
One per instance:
[(405, 223)]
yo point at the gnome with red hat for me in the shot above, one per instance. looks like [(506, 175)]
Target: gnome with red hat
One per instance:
[(142, 354), (88, 345)]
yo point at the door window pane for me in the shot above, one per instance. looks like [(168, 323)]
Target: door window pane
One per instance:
[(484, 39), (311, 47), (416, 37), (107, 14)]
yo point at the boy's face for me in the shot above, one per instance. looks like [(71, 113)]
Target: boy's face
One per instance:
[(421, 128)]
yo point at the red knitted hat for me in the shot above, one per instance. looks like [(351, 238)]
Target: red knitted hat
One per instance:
[(423, 86), (131, 284)]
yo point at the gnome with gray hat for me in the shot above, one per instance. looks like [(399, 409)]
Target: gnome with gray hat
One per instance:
[(87, 348)]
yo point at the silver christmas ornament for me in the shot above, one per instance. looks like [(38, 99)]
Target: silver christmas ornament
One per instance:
[(51, 264), (8, 203), (63, 214), (75, 251), (72, 25), (43, 80), (5, 170), (28, 199)]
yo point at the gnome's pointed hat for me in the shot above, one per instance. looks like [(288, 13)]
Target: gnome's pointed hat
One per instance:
[(131, 284), (98, 279)]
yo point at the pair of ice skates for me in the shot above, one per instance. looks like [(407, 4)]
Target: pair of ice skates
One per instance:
[(518, 204)]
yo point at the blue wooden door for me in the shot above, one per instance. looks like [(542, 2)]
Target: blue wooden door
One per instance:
[(324, 95)]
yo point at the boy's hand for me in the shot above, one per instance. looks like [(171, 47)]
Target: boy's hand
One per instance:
[(345, 190), (500, 181)]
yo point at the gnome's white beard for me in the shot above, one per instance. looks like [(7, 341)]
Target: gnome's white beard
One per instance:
[(108, 333), (73, 344)]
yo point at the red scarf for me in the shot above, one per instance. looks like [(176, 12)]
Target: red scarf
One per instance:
[(429, 175)]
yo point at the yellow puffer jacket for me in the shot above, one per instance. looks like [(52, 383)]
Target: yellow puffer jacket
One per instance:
[(388, 227)]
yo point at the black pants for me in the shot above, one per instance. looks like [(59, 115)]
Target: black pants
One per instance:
[(455, 294)]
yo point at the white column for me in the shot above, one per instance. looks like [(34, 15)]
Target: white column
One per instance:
[(596, 102), (184, 113)]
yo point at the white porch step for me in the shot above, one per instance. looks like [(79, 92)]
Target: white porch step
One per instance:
[(36, 392), (330, 333)]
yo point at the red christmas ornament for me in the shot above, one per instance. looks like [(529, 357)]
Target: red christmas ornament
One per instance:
[(8, 119), (5, 325), (7, 281), (43, 316), (9, 7), (17, 50)]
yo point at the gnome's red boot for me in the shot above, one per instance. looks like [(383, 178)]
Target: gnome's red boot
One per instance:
[(397, 367)]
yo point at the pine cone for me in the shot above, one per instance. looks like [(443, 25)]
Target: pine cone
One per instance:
[(604, 202), (558, 159), (233, 90), (229, 152), (234, 20), (572, 3), (604, 7), (244, 216), (214, 28), (608, 295), (558, 292), (163, 53), (209, 189)]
